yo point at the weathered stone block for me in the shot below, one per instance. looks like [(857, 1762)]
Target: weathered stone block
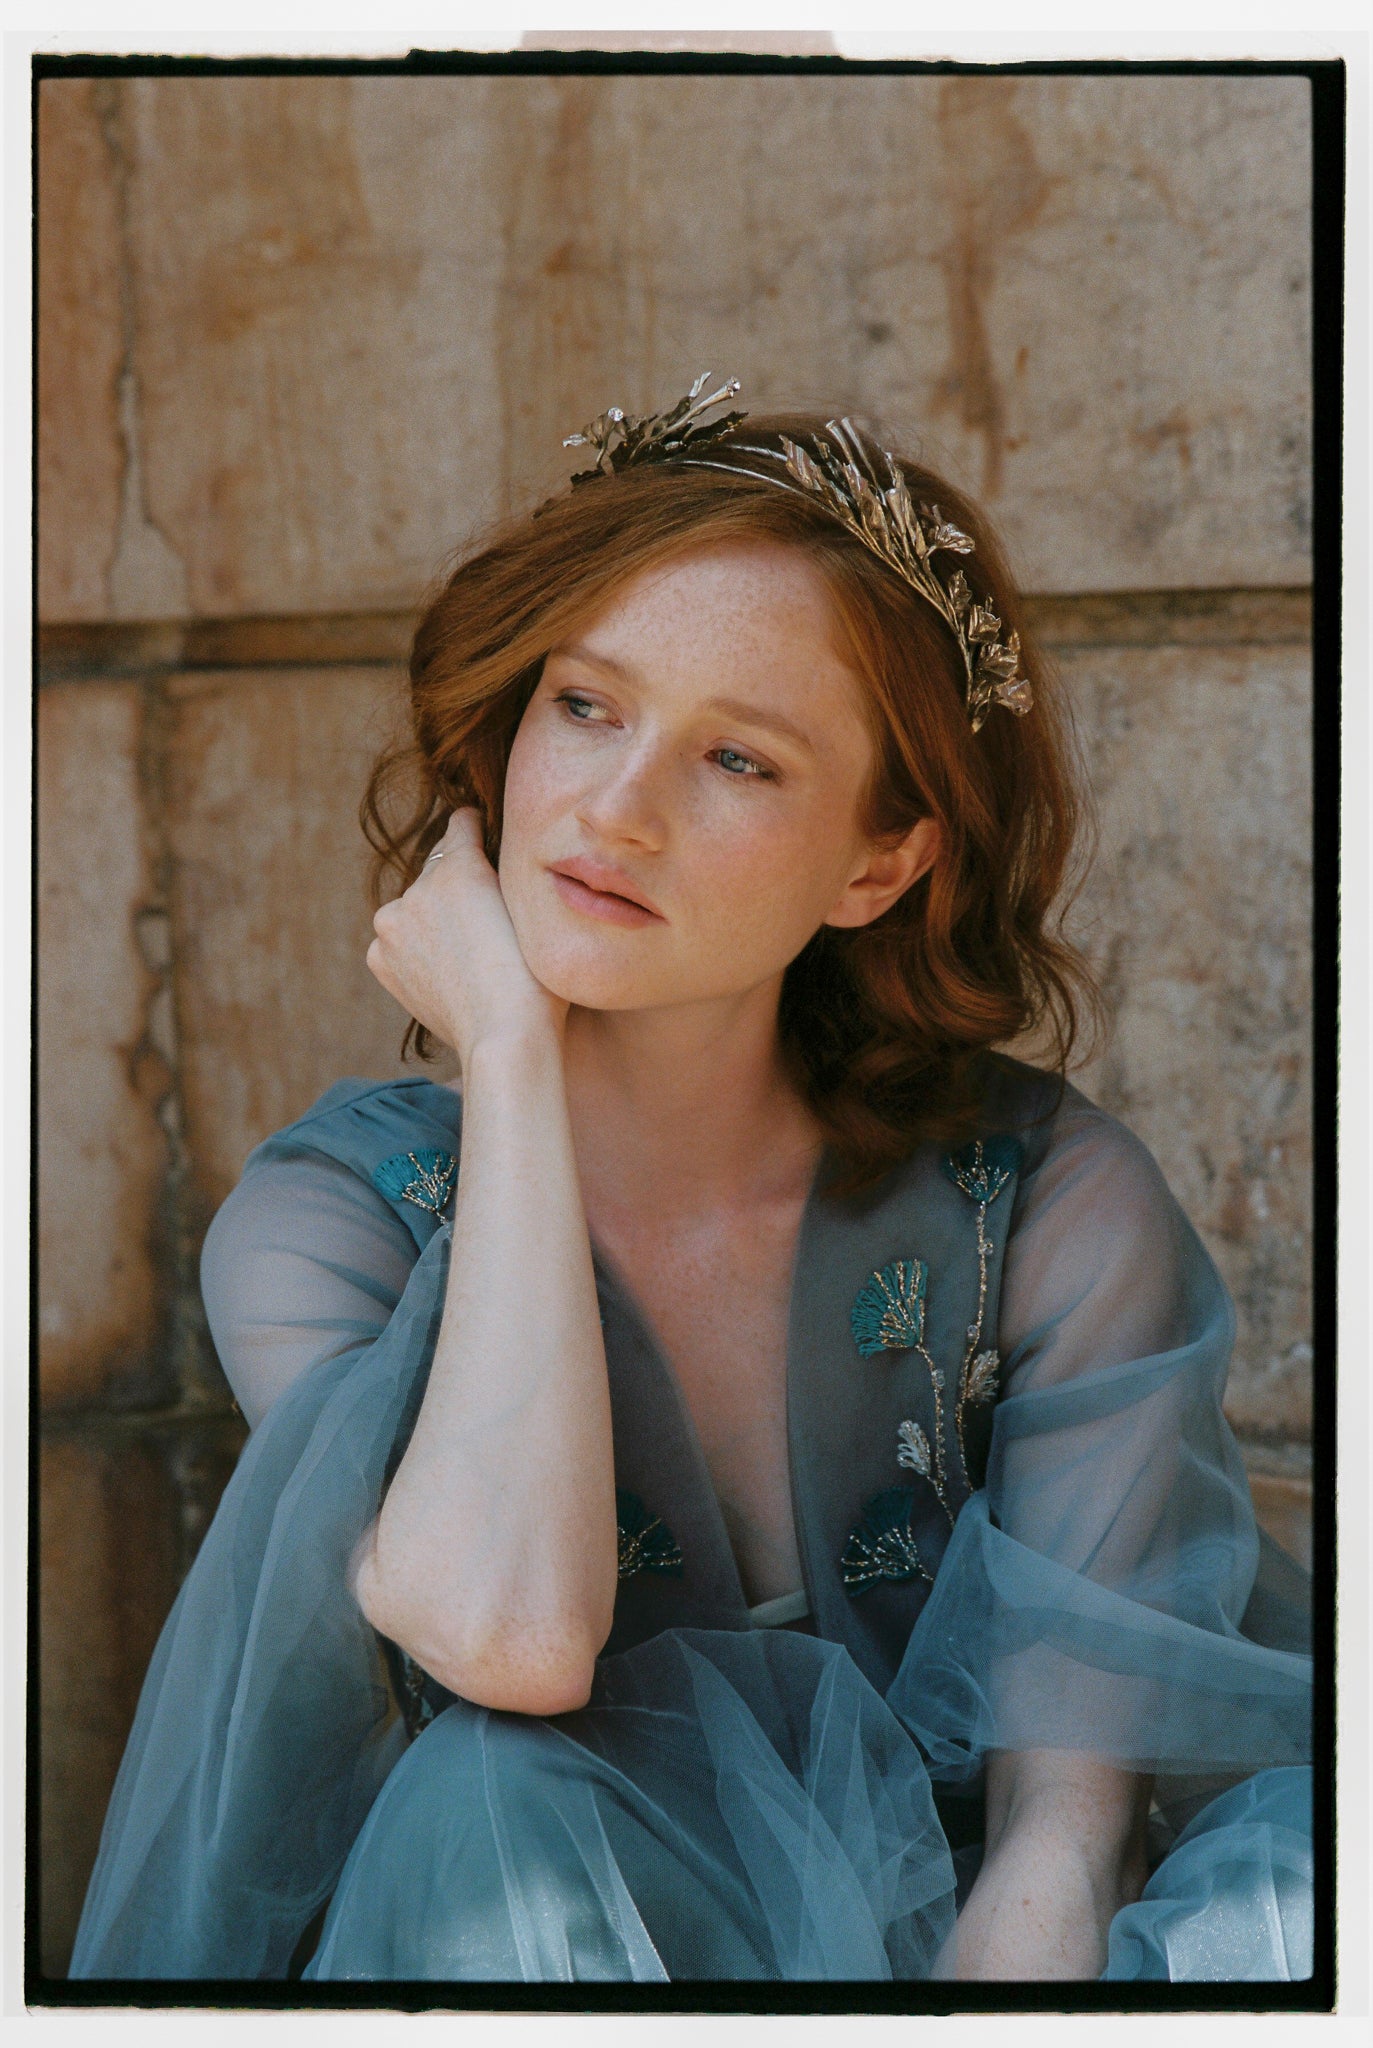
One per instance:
[(1125, 266), (102, 1059), (1198, 912), (271, 918), (107, 1576), (362, 313), (314, 271)]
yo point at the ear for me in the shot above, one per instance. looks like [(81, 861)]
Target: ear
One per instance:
[(886, 874)]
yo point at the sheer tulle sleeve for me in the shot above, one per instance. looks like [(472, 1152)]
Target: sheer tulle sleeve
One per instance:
[(1095, 1595), (302, 1263), (265, 1727)]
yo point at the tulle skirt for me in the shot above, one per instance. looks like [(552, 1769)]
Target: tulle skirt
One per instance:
[(745, 1806)]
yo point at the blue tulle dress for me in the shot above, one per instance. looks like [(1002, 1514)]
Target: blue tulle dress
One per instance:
[(1023, 1522)]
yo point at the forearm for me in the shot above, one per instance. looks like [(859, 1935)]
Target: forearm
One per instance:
[(1038, 1910), (493, 1560), (1065, 1851)]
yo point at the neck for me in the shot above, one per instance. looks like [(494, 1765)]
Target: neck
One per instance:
[(687, 1106)]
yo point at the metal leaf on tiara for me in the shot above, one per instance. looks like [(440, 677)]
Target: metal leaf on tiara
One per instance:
[(860, 484), (623, 440)]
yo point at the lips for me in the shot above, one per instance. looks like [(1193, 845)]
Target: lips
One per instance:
[(606, 881), (602, 891)]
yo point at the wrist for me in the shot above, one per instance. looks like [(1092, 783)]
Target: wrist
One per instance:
[(524, 1050)]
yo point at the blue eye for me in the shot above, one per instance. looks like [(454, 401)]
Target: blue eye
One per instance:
[(751, 771), (580, 708)]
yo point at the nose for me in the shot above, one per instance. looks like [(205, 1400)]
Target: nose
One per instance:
[(628, 800)]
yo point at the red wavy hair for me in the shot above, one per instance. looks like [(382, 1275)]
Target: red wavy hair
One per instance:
[(885, 1026)]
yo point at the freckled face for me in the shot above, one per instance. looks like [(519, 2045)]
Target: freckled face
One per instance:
[(681, 804)]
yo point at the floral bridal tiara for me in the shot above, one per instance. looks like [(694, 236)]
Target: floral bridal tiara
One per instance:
[(859, 484)]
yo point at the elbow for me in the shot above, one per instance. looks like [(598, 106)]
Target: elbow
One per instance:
[(537, 1665), (542, 1687), (533, 1671)]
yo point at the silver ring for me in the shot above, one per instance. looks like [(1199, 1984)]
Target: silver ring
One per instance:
[(437, 854)]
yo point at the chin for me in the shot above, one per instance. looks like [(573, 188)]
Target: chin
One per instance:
[(591, 973)]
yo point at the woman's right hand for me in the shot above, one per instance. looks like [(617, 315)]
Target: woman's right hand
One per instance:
[(447, 951)]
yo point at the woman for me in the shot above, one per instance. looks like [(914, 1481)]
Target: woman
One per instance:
[(854, 1642)]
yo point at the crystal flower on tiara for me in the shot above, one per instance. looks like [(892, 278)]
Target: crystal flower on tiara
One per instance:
[(861, 486)]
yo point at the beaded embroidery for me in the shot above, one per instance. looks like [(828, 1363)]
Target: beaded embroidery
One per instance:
[(981, 1170), (882, 1546), (913, 1449), (426, 1178), (889, 1315), (646, 1544)]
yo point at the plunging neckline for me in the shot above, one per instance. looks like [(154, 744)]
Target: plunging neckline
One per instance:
[(671, 1385)]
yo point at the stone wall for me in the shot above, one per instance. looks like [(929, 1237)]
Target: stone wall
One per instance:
[(301, 336)]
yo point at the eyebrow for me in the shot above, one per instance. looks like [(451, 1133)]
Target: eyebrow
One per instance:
[(755, 714), (728, 707), (573, 650)]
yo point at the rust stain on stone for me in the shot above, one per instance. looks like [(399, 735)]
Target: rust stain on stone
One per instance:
[(994, 189), (80, 458), (563, 309), (228, 490), (1175, 428)]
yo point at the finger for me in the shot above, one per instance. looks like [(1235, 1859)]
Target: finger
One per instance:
[(463, 836), (464, 827), (462, 849)]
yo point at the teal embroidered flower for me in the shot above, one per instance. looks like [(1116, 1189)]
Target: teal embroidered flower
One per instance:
[(888, 1313), (646, 1544), (881, 1546), (426, 1178), (983, 1168)]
